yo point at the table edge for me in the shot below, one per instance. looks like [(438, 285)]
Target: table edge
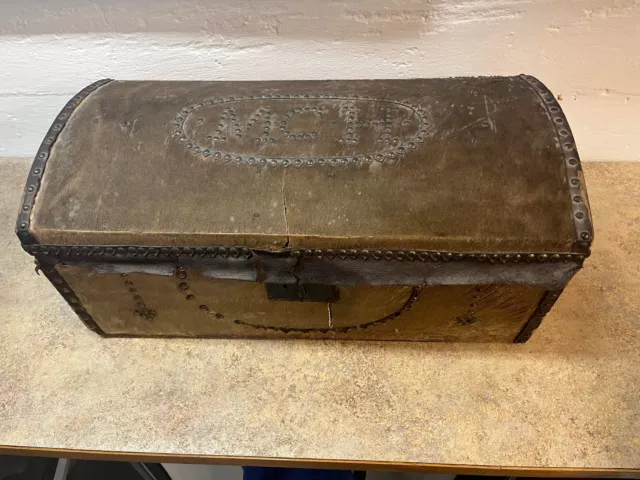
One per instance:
[(442, 468)]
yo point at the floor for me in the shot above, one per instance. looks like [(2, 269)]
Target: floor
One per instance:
[(221, 472)]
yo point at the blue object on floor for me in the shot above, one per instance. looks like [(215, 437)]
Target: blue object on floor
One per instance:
[(270, 473)]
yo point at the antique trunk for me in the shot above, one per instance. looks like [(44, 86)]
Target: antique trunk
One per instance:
[(433, 209)]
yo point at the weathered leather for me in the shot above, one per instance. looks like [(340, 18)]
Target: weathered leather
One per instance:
[(440, 209), (488, 174)]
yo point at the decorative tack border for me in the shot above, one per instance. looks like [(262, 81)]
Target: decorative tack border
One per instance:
[(183, 286), (579, 202), (413, 298), (141, 307), (40, 161), (137, 252), (469, 316), (67, 293), (534, 321), (387, 154), (152, 253)]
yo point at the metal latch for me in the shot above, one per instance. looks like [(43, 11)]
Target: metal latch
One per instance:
[(302, 292)]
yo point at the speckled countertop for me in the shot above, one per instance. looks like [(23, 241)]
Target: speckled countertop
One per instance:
[(570, 397)]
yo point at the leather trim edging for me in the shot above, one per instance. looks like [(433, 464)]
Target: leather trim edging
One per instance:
[(534, 321), (68, 294)]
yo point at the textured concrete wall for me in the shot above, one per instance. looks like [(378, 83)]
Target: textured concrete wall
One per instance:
[(587, 51)]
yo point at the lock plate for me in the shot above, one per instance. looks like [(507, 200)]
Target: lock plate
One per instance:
[(299, 292)]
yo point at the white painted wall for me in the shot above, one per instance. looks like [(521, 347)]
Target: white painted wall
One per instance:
[(586, 51)]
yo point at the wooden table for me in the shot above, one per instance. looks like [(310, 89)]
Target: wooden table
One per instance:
[(567, 403)]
